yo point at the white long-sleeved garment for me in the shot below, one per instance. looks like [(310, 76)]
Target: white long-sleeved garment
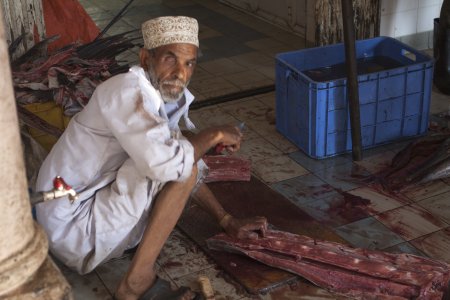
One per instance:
[(116, 153)]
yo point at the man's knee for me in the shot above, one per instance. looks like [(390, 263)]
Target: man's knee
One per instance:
[(189, 184)]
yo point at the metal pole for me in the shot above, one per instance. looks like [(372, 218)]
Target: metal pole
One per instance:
[(442, 50), (352, 77)]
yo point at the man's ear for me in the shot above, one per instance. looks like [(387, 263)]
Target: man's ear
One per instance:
[(144, 56)]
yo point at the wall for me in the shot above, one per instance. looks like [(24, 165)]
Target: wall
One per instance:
[(319, 22), (23, 17), (410, 21)]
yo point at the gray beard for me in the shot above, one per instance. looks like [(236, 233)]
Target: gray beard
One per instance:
[(166, 95)]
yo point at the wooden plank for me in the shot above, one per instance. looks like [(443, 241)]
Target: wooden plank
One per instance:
[(246, 199)]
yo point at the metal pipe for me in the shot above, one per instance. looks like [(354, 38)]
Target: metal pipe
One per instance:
[(233, 96), (352, 77)]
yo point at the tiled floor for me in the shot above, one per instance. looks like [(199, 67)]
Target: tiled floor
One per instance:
[(237, 50), (238, 54)]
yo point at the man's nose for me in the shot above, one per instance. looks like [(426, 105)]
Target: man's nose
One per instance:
[(180, 72)]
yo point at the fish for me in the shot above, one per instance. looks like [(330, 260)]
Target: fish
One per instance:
[(421, 161), (403, 157), (67, 76), (356, 273), (436, 167), (38, 51), (438, 171)]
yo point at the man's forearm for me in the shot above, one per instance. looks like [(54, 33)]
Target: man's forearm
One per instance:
[(203, 141), (208, 202)]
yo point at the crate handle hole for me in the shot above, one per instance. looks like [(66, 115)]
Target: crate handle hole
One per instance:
[(409, 54), (291, 74)]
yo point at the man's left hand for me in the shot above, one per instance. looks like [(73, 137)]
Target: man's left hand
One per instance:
[(247, 228)]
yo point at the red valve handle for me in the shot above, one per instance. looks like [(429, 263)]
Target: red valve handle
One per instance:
[(59, 184)]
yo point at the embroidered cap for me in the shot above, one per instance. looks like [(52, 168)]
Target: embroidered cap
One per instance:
[(170, 30)]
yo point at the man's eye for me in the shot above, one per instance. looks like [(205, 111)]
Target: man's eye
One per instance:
[(170, 59), (191, 64)]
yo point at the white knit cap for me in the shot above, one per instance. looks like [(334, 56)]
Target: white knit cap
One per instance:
[(170, 30)]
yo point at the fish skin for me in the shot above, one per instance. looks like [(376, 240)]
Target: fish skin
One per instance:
[(423, 160), (438, 171), (402, 158), (436, 163)]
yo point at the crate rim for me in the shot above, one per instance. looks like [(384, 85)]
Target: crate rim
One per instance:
[(429, 60)]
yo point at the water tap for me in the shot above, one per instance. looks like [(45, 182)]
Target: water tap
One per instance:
[(60, 189)]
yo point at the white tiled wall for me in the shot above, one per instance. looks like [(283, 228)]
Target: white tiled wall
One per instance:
[(399, 23), (395, 6), (407, 17), (426, 16), (423, 3)]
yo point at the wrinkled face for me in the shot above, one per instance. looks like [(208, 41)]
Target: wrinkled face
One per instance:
[(170, 68)]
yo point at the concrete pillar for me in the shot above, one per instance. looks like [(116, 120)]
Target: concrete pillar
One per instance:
[(25, 270)]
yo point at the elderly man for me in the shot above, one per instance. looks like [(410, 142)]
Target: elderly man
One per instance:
[(134, 170)]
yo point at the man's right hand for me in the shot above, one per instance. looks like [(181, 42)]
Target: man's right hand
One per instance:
[(227, 135), (231, 137)]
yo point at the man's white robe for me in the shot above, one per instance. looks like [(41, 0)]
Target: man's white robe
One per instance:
[(116, 153)]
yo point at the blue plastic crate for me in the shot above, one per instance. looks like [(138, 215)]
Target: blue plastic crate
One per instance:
[(314, 115)]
